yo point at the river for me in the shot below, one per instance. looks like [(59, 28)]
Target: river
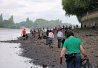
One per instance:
[(10, 52)]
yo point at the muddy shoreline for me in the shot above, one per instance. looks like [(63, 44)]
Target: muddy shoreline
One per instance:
[(41, 54)]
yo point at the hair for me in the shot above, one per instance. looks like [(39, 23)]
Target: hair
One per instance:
[(59, 29), (50, 30), (69, 33)]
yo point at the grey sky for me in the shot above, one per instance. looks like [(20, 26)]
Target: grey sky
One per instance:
[(46, 9)]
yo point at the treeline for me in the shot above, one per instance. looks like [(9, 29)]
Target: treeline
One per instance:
[(38, 23), (6, 23)]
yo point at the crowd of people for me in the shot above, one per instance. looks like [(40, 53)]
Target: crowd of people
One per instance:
[(48, 34), (71, 46)]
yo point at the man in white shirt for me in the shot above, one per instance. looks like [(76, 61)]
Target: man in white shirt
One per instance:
[(59, 37)]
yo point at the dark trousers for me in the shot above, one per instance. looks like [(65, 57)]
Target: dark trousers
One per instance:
[(59, 42), (75, 62), (47, 40), (50, 41)]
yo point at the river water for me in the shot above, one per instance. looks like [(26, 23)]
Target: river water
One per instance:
[(10, 52)]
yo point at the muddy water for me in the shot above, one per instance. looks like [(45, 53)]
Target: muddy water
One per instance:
[(10, 52)]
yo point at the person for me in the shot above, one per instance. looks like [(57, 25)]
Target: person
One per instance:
[(64, 38), (50, 38), (39, 36), (73, 47), (47, 33), (34, 32), (59, 37), (44, 34), (24, 35), (24, 32), (31, 32)]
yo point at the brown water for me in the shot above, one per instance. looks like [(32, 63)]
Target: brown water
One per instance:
[(10, 52)]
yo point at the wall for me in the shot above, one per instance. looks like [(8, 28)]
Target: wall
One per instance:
[(90, 20)]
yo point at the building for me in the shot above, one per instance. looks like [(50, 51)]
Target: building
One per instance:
[(90, 19)]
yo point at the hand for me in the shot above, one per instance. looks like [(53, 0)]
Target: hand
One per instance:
[(60, 60), (86, 57)]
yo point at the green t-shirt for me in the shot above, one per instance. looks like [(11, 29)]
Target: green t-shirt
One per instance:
[(72, 45)]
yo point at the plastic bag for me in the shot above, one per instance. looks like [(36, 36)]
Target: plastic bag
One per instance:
[(87, 64)]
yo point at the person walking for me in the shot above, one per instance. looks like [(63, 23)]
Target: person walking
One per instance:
[(59, 37), (47, 33), (39, 34), (72, 50), (50, 38)]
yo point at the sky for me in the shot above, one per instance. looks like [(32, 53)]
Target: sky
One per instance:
[(34, 9)]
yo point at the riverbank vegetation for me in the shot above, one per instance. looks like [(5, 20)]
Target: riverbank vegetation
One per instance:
[(38, 23)]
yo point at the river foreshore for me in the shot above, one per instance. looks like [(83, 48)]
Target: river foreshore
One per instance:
[(42, 54)]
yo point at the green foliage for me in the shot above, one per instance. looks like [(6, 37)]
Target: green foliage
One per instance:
[(1, 20), (27, 24), (38, 23), (6, 23), (11, 21), (79, 7)]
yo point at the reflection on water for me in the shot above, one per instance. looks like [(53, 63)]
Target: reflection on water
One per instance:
[(9, 57)]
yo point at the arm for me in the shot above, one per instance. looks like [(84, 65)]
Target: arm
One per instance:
[(62, 54), (83, 52)]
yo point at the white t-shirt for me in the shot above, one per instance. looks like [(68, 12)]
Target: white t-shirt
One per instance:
[(51, 35), (59, 34)]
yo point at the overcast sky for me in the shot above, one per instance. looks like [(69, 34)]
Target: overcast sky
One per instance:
[(46, 9)]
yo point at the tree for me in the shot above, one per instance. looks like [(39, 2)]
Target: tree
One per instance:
[(11, 21), (79, 7), (1, 20)]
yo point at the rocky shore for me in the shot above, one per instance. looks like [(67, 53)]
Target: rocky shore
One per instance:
[(41, 54)]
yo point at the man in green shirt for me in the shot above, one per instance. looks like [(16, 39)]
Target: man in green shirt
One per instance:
[(72, 50)]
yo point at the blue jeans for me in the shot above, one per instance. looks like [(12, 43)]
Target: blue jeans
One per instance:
[(75, 62), (50, 41), (47, 40), (59, 42)]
